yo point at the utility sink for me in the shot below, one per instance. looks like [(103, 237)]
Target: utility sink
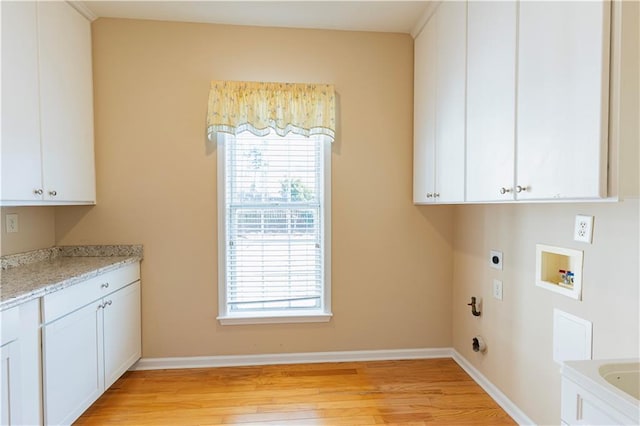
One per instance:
[(624, 376), (601, 392)]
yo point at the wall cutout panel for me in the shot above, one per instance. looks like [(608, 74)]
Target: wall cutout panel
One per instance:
[(571, 337), (559, 270)]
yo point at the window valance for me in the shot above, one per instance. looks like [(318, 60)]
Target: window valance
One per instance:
[(304, 109)]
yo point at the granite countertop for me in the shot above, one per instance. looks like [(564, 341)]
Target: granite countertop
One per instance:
[(30, 275)]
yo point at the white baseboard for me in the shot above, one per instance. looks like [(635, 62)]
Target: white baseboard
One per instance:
[(345, 356), (500, 398), (289, 358)]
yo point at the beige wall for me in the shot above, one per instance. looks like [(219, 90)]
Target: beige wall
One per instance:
[(36, 229), (518, 329), (156, 185)]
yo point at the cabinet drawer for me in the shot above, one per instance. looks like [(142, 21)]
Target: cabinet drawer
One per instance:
[(60, 303), (9, 325)]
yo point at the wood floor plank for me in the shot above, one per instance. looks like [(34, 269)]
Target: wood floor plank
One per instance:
[(413, 392)]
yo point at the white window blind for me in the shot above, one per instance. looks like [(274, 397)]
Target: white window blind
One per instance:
[(274, 224)]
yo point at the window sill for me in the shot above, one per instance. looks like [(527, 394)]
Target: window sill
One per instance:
[(274, 318)]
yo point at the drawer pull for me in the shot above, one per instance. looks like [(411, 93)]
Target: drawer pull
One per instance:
[(105, 304)]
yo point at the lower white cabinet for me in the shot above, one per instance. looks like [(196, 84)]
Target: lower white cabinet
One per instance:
[(20, 389), (9, 368), (88, 349), (30, 343), (581, 407), (10, 384), (121, 332), (72, 364)]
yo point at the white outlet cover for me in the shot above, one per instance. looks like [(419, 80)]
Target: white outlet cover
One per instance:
[(497, 289), (583, 229), (11, 223)]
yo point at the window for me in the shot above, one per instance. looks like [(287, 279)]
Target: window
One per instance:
[(274, 228)]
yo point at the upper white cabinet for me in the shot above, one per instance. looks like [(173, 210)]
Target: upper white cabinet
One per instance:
[(535, 125), (491, 97), (562, 107), (47, 105), (424, 113), (439, 106), (20, 149)]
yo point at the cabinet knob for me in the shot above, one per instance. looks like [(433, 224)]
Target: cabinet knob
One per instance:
[(504, 190), (53, 193), (429, 195), (108, 303), (38, 191), (105, 285), (436, 194), (522, 188)]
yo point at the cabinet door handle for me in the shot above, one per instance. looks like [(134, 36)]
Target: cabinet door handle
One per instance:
[(108, 303), (578, 407), (104, 285), (521, 188), (38, 191), (53, 193), (504, 190)]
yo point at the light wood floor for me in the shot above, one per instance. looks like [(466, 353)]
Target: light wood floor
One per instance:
[(416, 392)]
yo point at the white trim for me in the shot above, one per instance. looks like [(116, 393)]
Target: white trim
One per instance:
[(326, 220), (83, 9), (500, 398), (221, 146), (274, 319), (289, 358), (428, 12), (284, 316)]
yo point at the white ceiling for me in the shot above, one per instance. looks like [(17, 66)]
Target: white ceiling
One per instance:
[(381, 16)]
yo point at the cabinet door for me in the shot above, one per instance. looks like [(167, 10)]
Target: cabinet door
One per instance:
[(20, 150), (30, 362), (72, 364), (580, 407), (491, 97), (122, 335), (424, 114), (66, 98), (562, 102), (450, 101), (10, 384)]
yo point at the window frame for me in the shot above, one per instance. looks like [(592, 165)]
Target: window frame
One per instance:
[(324, 313)]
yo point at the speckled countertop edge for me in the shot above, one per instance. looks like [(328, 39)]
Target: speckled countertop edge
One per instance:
[(64, 263), (21, 259)]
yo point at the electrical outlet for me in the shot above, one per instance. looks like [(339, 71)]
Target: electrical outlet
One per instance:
[(11, 223), (497, 289), (583, 229), (495, 259)]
